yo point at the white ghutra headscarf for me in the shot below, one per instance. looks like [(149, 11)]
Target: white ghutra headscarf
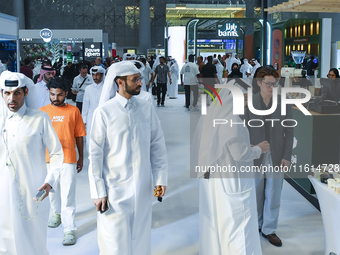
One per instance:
[(110, 87)]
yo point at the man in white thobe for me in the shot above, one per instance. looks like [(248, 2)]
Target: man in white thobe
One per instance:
[(42, 92), (219, 68), (26, 133), (227, 209), (91, 99), (147, 75), (127, 153), (174, 72), (255, 64), (246, 69)]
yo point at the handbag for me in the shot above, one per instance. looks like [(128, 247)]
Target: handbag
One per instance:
[(154, 89)]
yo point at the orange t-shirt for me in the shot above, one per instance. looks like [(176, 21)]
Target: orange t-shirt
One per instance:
[(68, 124)]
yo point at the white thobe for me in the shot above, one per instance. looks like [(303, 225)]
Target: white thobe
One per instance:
[(28, 133), (90, 103), (253, 71), (127, 152), (43, 94), (228, 218), (173, 93), (147, 97), (146, 77), (245, 68), (219, 69)]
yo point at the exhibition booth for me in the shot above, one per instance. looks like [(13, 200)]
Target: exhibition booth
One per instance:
[(9, 53), (243, 36), (310, 35), (70, 45)]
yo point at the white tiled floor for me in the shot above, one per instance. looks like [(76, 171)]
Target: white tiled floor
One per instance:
[(176, 221)]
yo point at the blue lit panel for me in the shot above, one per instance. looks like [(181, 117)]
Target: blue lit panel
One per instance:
[(230, 44), (240, 44)]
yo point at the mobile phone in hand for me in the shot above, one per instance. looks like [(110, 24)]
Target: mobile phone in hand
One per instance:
[(40, 195), (107, 207)]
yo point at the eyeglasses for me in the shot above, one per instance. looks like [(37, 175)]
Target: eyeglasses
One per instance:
[(137, 79), (269, 84)]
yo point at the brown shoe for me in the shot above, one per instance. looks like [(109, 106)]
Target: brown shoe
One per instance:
[(273, 239)]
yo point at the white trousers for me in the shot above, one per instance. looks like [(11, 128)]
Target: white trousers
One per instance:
[(268, 197), (63, 200)]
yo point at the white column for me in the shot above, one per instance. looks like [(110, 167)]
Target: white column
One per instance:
[(19, 11), (326, 47)]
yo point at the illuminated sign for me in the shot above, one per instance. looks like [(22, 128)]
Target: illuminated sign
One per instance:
[(227, 30), (46, 34), (92, 50)]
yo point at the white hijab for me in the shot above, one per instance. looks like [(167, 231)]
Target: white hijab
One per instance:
[(110, 87)]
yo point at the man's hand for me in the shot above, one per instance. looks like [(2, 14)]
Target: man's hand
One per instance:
[(285, 163), (80, 164), (170, 81), (100, 202), (74, 92), (46, 187), (264, 146), (182, 84), (160, 191)]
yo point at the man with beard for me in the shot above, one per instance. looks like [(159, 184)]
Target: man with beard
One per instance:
[(255, 65), (46, 74), (68, 124), (127, 153), (91, 98), (26, 132)]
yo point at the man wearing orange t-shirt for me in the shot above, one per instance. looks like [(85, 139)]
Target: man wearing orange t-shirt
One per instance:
[(69, 126)]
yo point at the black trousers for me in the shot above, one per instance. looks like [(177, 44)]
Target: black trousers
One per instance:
[(161, 88), (79, 105), (187, 90)]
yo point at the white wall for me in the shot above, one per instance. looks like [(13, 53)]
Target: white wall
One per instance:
[(176, 44), (9, 26)]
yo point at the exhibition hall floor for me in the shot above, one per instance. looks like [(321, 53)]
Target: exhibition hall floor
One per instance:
[(175, 229)]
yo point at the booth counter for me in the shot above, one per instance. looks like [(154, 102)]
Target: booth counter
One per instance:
[(316, 142)]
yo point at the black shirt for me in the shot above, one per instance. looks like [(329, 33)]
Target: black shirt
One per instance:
[(310, 66), (209, 70), (267, 124)]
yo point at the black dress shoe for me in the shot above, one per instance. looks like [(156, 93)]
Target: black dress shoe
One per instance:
[(273, 239)]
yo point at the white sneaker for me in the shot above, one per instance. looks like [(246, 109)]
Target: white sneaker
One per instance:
[(54, 221), (69, 238)]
